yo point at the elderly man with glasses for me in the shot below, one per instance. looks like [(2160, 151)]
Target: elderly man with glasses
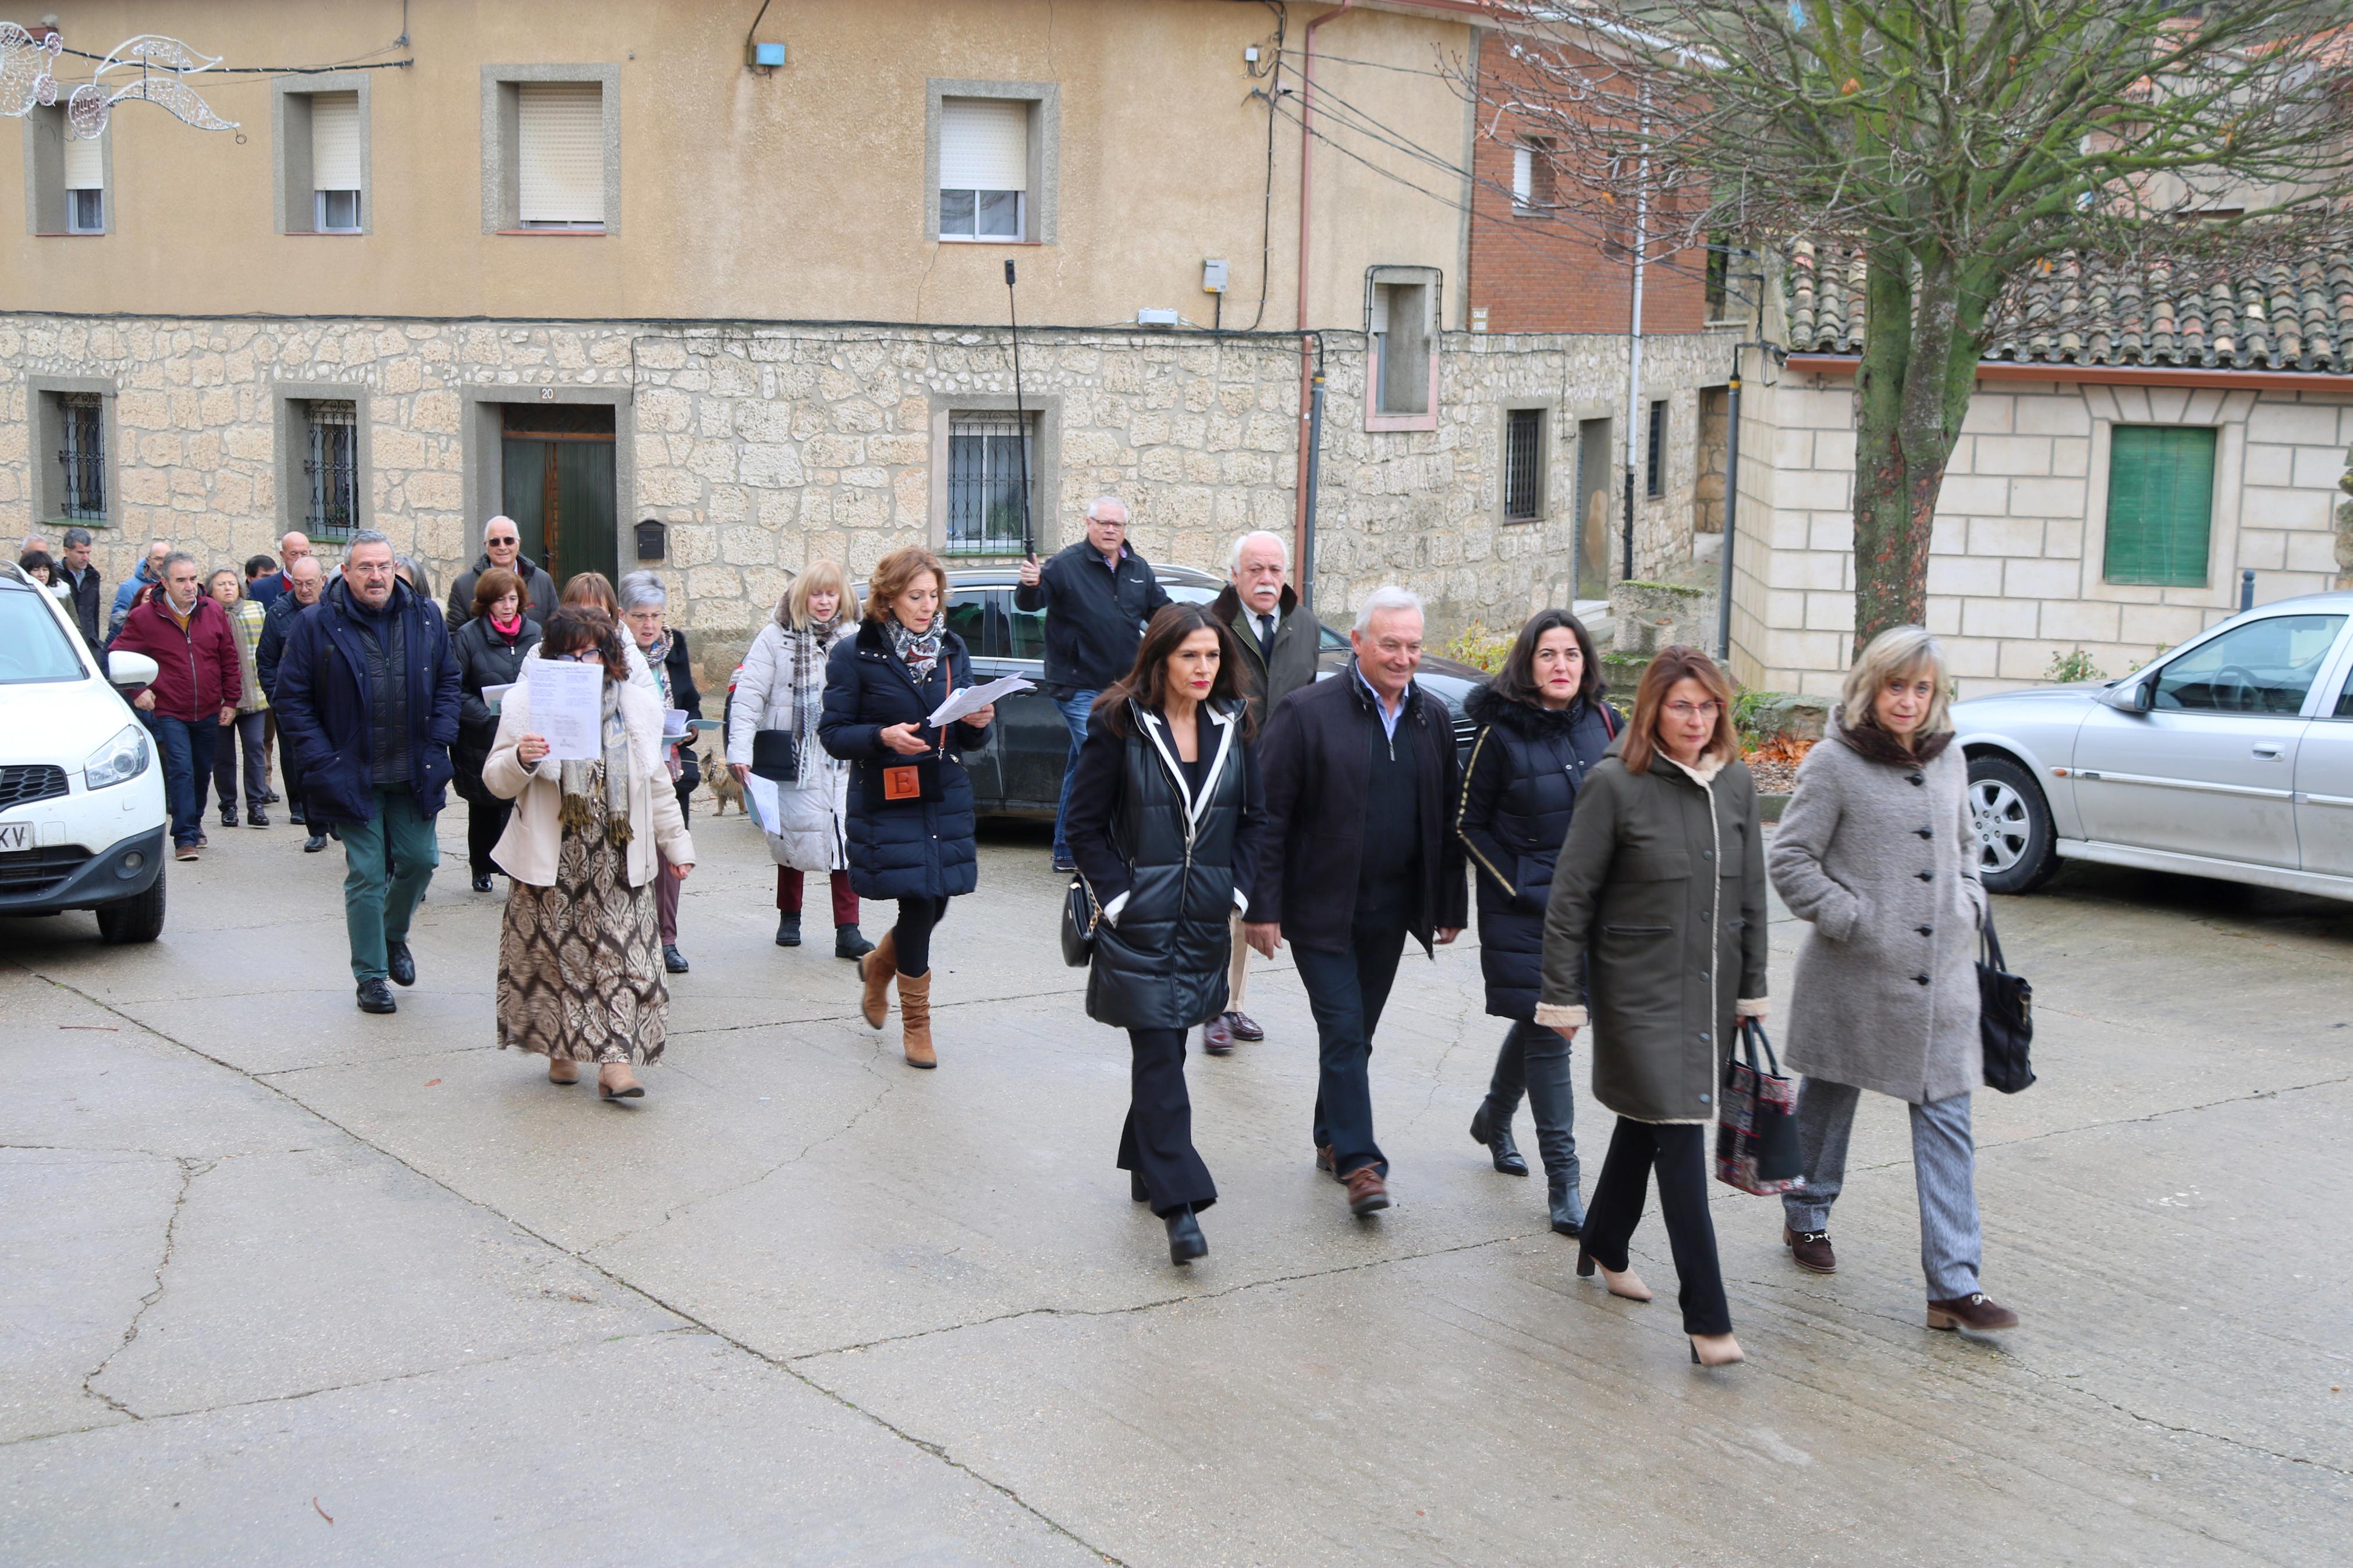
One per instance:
[(367, 688), (502, 547)]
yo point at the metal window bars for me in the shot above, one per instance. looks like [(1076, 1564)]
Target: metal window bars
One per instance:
[(985, 467), (81, 456), (1524, 465), (332, 466)]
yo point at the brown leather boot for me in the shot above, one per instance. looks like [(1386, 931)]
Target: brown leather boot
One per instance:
[(875, 970), (915, 1019), (1975, 1311)]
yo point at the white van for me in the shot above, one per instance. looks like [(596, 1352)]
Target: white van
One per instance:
[(84, 824)]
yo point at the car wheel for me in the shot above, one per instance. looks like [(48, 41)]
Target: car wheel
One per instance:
[(139, 917), (2016, 850)]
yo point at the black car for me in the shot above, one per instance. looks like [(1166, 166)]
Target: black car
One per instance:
[(1020, 774)]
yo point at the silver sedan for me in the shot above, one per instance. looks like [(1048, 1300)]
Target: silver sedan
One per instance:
[(2231, 756)]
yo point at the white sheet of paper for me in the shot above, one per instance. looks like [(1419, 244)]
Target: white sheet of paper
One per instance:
[(674, 724), (494, 695), (764, 804), (567, 700), (973, 698)]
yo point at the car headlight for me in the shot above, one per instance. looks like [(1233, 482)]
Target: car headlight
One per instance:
[(119, 761)]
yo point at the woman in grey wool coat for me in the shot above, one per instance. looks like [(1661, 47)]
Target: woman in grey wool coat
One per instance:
[(1876, 853)]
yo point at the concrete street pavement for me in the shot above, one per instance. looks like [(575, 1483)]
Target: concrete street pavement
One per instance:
[(284, 1283)]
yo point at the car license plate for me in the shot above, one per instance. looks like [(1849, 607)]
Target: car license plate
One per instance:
[(15, 836)]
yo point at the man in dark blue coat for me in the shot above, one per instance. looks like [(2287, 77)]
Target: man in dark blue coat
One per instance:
[(1097, 594), (305, 582), (367, 689)]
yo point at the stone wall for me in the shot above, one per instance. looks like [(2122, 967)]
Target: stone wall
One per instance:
[(763, 448), (2015, 575)]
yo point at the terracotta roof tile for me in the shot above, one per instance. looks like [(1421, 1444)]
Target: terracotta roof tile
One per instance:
[(2292, 314)]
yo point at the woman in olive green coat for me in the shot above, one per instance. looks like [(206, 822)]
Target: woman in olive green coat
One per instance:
[(1655, 934)]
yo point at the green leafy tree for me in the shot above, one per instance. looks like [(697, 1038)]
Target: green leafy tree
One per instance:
[(1958, 144)]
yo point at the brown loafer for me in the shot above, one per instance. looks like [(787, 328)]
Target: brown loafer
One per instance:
[(1975, 1311), (1244, 1027), (1217, 1035), (1367, 1193), (1324, 1160), (1810, 1250)]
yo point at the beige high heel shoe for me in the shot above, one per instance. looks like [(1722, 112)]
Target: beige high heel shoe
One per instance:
[(1715, 1349), (1626, 1283)]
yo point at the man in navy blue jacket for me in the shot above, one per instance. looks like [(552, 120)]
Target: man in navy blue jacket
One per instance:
[(367, 689), (1097, 594)]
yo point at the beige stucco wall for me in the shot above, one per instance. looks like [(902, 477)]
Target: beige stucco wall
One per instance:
[(796, 195), (2014, 579)]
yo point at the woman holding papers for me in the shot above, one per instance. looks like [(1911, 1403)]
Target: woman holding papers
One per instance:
[(780, 692), (1164, 823), (490, 646), (910, 822), (645, 615), (594, 591), (579, 978)]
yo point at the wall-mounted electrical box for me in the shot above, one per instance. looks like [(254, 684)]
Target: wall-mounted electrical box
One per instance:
[(1155, 317), (1249, 54), (1213, 278), (763, 57)]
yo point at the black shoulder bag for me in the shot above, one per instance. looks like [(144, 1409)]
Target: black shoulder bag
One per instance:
[(775, 753), (2005, 1014)]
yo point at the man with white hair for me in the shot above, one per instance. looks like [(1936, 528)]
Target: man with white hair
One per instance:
[(1280, 651), (1097, 594), (292, 546), (502, 547), (1360, 851)]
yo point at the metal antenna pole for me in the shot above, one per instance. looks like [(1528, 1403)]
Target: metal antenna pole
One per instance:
[(1020, 414)]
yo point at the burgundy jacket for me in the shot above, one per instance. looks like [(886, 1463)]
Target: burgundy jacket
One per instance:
[(197, 672)]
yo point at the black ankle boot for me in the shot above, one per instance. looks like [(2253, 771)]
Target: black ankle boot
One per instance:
[(789, 929), (1135, 1187), (851, 942), (1568, 1207), (1497, 1134), (1186, 1241)]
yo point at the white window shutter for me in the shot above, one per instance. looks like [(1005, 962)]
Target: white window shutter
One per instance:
[(984, 144), (1524, 175), (85, 166), (335, 140), (560, 152)]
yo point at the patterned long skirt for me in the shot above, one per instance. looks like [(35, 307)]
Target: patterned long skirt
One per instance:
[(580, 971)]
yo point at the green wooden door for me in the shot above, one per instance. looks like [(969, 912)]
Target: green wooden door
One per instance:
[(560, 493), (2161, 504)]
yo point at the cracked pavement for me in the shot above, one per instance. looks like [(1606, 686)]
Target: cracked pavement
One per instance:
[(285, 1283)]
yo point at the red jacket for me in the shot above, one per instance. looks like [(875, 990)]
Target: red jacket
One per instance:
[(197, 672)]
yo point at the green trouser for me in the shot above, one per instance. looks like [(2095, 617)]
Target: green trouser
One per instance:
[(387, 864)]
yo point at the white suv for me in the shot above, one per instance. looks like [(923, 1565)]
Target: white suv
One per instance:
[(83, 819)]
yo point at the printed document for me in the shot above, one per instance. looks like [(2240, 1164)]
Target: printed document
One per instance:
[(974, 698), (567, 707)]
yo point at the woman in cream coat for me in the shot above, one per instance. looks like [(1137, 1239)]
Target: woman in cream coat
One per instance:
[(580, 969), (782, 687)]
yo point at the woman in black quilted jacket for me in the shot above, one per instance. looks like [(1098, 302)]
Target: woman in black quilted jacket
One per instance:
[(1542, 725), (1163, 822)]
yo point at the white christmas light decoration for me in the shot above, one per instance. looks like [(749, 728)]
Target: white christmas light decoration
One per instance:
[(24, 79), (163, 64)]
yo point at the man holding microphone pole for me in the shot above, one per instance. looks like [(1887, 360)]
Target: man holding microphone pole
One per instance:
[(1098, 593)]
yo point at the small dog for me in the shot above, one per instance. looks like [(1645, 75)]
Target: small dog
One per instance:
[(724, 786)]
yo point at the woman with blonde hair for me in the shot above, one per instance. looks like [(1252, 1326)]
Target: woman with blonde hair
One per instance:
[(1876, 853), (780, 689), (1655, 933), (910, 827)]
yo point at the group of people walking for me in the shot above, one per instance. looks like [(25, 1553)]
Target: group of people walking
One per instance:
[(1219, 798)]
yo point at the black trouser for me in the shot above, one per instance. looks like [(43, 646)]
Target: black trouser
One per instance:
[(243, 733), (1346, 992), (913, 933), (1157, 1141), (1678, 1151), (484, 824), (290, 772)]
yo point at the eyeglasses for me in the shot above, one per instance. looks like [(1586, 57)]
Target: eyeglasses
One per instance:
[(1694, 710), (586, 656)]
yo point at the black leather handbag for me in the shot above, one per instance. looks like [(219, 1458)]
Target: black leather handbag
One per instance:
[(1079, 917), (2005, 1015), (775, 755)]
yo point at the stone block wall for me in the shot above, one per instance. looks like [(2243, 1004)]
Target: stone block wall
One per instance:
[(2015, 577)]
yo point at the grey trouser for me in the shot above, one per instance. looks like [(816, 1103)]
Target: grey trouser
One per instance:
[(1944, 1170)]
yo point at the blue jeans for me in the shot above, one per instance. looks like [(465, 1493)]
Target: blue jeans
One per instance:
[(387, 861), (1346, 992), (1075, 709), (187, 750)]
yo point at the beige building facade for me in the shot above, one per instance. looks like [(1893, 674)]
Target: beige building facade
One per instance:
[(590, 262)]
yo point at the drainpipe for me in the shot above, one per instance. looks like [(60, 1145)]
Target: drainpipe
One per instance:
[(1731, 514), (1311, 384), (1306, 557), (1635, 424)]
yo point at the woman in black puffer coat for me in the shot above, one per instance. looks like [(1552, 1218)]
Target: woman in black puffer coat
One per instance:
[(1163, 820), (490, 648), (1543, 724), (911, 820)]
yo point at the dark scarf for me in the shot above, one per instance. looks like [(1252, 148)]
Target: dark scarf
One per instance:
[(917, 650), (1866, 739)]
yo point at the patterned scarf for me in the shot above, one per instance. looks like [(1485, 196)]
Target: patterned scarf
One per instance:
[(657, 661), (810, 646), (608, 774), (917, 650)]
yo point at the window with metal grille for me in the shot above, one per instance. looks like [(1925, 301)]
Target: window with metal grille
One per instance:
[(1655, 461), (986, 456), (81, 455), (331, 464), (2161, 504), (1523, 465)]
